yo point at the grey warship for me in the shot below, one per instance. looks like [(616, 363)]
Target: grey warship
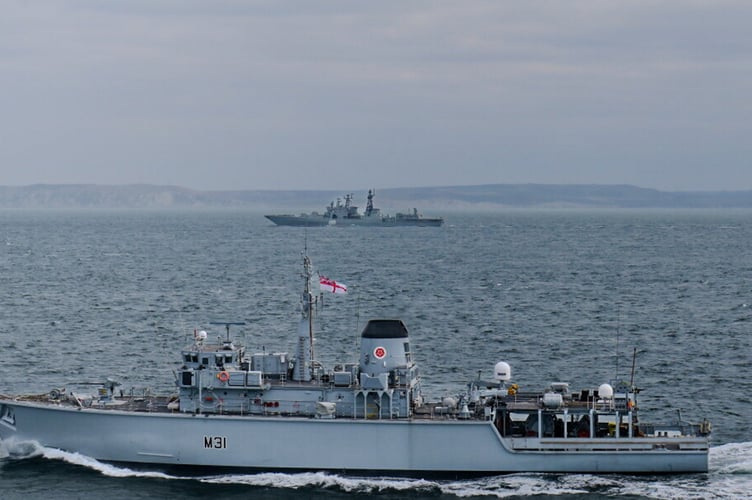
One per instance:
[(346, 214), (275, 411)]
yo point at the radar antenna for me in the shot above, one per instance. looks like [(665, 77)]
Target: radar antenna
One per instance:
[(227, 325)]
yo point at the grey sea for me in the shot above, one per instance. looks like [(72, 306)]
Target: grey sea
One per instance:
[(559, 295)]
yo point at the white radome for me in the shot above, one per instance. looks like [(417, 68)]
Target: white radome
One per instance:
[(605, 391), (502, 372)]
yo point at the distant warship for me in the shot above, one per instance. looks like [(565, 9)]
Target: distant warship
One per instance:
[(278, 412), (348, 215)]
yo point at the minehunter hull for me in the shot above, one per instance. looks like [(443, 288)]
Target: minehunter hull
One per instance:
[(277, 411), (411, 446)]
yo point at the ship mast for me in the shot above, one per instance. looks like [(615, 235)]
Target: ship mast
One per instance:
[(369, 203), (308, 298), (304, 352)]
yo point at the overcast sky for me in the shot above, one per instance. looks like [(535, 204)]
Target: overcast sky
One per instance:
[(350, 94)]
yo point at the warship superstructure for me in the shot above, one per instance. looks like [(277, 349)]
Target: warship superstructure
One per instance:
[(276, 411), (347, 214)]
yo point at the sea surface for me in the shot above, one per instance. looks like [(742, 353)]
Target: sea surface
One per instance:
[(559, 295)]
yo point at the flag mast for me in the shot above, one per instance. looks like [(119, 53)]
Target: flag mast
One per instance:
[(305, 361), (309, 298), (302, 371)]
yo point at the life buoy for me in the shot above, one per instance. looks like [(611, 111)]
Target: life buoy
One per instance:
[(223, 376)]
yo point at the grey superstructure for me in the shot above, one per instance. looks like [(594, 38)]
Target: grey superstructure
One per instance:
[(276, 411), (347, 214)]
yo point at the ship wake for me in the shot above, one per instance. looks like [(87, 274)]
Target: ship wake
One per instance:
[(727, 463)]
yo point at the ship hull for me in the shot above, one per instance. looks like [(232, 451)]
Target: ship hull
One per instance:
[(297, 220), (320, 221), (408, 447), (421, 222)]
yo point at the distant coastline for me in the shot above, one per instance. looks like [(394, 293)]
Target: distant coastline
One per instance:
[(489, 197)]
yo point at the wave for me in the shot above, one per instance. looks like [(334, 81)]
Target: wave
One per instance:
[(730, 476), (731, 458), (23, 450), (324, 480)]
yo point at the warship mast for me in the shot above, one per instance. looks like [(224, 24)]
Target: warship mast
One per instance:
[(304, 352)]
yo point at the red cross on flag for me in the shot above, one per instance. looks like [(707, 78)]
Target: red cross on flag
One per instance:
[(331, 286)]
